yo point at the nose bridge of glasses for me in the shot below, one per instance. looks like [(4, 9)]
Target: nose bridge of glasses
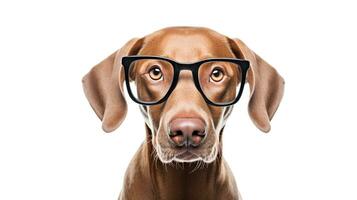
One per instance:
[(186, 79), (185, 71), (188, 67)]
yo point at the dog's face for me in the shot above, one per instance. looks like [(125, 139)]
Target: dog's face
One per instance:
[(186, 108), (184, 128)]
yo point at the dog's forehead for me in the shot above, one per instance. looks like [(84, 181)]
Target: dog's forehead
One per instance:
[(186, 44)]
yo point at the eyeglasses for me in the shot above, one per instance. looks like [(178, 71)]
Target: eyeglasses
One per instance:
[(151, 79)]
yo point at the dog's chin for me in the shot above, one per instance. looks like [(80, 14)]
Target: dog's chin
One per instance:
[(185, 156)]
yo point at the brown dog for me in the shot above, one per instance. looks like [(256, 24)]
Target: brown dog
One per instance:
[(148, 175)]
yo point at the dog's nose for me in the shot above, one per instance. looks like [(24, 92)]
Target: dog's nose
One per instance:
[(189, 132)]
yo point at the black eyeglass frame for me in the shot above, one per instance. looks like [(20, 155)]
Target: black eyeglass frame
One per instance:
[(178, 67)]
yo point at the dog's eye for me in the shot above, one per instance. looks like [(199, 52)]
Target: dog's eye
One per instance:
[(217, 75), (155, 73)]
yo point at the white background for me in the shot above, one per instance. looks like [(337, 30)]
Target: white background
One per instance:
[(51, 142)]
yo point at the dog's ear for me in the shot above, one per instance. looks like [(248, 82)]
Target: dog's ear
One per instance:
[(266, 86), (103, 87)]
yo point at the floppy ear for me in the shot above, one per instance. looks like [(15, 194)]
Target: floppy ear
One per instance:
[(266, 86), (103, 87)]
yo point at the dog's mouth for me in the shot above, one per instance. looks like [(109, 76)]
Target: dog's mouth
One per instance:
[(185, 155)]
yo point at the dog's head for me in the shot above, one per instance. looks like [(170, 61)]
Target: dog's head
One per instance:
[(184, 128)]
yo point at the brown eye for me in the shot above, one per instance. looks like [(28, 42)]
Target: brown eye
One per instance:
[(155, 73), (217, 75)]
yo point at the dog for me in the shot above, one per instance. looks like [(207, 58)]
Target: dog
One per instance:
[(181, 157)]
